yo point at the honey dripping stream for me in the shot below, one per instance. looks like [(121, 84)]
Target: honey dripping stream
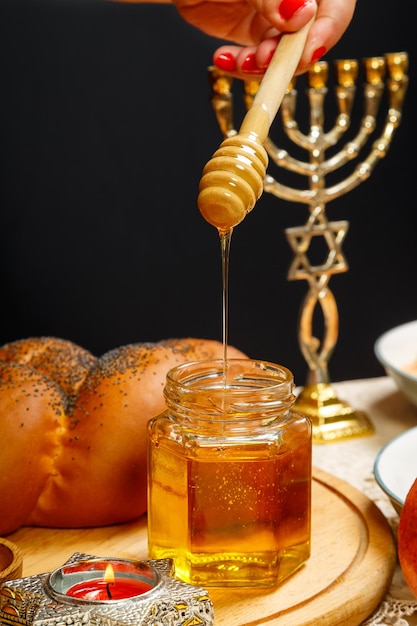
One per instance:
[(225, 240)]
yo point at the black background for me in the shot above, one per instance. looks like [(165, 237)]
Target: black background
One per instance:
[(105, 127)]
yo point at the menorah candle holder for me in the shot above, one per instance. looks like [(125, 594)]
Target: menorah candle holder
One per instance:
[(332, 418), (143, 593)]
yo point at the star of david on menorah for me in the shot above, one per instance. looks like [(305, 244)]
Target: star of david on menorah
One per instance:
[(332, 417)]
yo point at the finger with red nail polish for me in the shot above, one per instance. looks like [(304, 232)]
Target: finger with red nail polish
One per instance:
[(318, 53), (332, 19), (249, 65), (289, 8), (225, 61)]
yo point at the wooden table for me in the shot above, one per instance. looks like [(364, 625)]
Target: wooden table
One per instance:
[(353, 549)]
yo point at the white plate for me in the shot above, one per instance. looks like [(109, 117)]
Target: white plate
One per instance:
[(395, 466)]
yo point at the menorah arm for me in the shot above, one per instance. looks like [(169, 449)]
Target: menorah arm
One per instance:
[(317, 96), (308, 141), (317, 138), (290, 126), (223, 109), (331, 137), (359, 175), (222, 100), (351, 149), (397, 89), (292, 130), (345, 96), (334, 135), (288, 193), (295, 135), (347, 153), (281, 158), (364, 169)]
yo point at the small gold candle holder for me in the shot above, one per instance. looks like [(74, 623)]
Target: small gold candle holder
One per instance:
[(142, 593)]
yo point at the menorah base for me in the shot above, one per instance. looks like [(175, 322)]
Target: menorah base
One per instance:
[(333, 419)]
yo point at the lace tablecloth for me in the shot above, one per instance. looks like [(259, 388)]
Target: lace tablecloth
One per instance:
[(353, 459)]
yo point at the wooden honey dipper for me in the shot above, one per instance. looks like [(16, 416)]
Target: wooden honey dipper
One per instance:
[(232, 180)]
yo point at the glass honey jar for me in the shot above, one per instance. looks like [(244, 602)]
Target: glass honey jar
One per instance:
[(229, 475)]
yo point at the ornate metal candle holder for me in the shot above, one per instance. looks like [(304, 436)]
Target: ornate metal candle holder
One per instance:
[(332, 418), (46, 600)]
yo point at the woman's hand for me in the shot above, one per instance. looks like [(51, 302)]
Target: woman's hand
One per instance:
[(255, 25)]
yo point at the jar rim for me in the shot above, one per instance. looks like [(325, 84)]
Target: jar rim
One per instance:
[(185, 374), (251, 387)]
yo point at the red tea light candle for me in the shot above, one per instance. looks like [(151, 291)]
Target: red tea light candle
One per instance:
[(108, 588), (102, 580)]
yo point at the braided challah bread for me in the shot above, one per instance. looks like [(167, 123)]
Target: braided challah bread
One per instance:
[(73, 428)]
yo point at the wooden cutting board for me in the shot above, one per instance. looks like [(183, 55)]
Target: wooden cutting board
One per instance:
[(350, 569)]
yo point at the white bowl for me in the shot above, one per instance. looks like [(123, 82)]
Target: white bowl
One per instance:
[(396, 350), (395, 467)]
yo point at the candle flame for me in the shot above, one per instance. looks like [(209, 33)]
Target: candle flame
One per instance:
[(109, 574)]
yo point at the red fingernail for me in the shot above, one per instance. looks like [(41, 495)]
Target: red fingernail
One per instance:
[(225, 61), (249, 65), (317, 54), (288, 8), (269, 59)]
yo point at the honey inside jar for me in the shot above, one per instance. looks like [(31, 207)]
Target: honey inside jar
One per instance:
[(230, 476)]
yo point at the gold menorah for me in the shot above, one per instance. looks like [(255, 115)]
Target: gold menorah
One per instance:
[(332, 417)]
